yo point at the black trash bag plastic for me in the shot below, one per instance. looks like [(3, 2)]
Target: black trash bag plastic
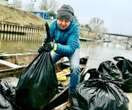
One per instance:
[(110, 71), (37, 84), (7, 96), (125, 66), (92, 73), (99, 94)]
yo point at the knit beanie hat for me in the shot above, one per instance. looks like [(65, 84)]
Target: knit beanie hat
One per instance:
[(65, 12)]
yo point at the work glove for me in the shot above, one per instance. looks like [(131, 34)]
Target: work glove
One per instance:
[(48, 47)]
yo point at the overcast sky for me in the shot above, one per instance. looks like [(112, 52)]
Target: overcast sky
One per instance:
[(117, 14)]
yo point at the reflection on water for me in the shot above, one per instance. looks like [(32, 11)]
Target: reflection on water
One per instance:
[(20, 43), (99, 51), (18, 46)]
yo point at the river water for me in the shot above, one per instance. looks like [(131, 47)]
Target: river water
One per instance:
[(12, 47), (102, 51), (96, 50)]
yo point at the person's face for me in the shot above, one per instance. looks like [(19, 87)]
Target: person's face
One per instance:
[(63, 23)]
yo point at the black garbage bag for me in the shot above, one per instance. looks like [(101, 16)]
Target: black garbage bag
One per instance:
[(92, 73), (125, 66), (37, 84), (98, 94), (7, 96), (110, 71)]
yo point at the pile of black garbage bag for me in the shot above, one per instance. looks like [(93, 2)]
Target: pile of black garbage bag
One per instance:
[(103, 88), (99, 89)]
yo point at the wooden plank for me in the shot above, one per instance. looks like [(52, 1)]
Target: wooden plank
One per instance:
[(59, 99), (12, 72), (9, 64)]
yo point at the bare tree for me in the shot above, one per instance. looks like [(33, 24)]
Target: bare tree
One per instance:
[(96, 24)]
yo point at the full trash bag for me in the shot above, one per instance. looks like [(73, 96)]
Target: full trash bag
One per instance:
[(110, 71), (99, 94), (125, 66), (37, 84)]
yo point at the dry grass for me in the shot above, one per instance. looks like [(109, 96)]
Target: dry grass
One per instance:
[(16, 16)]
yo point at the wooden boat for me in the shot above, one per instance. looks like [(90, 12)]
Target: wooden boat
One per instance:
[(9, 68), (10, 72), (14, 64)]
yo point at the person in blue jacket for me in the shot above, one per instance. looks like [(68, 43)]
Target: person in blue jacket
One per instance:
[(65, 33)]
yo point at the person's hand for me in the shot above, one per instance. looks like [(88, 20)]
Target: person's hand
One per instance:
[(41, 49), (47, 47)]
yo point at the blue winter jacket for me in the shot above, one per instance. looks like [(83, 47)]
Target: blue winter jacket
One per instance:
[(67, 40)]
